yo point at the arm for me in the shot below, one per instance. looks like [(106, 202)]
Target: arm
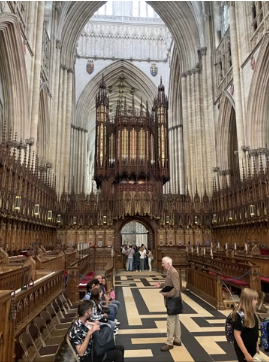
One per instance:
[(237, 336), (81, 348), (175, 284)]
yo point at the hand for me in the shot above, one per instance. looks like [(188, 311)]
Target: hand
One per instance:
[(94, 328), (248, 358), (157, 285), (96, 322), (164, 294), (107, 297), (258, 350)]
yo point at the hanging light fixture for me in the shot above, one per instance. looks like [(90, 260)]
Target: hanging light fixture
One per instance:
[(50, 215), (230, 217), (252, 210), (36, 209), (74, 220), (104, 219), (17, 202), (214, 219), (59, 219)]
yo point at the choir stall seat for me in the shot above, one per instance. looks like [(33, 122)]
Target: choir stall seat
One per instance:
[(53, 332), (45, 333), (39, 343), (30, 352)]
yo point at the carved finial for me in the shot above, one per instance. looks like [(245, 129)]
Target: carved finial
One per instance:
[(25, 157), (214, 184), (254, 168), (125, 105), (10, 134), (249, 169), (4, 130), (33, 157), (243, 171), (261, 171), (83, 186), (64, 186), (73, 185)]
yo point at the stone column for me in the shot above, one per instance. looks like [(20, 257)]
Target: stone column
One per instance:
[(237, 82), (79, 161), (59, 129), (37, 69), (192, 131), (198, 137), (69, 103), (185, 127), (63, 90), (54, 118), (207, 149)]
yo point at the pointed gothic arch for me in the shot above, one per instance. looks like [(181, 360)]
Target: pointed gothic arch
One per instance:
[(119, 68), (13, 75), (227, 143), (257, 125)]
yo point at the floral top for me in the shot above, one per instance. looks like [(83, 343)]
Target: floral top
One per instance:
[(96, 315), (77, 334)]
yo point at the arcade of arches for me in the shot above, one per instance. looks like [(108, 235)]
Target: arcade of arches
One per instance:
[(132, 122)]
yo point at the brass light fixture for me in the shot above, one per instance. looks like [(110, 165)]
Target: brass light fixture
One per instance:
[(59, 219), (252, 210), (104, 219), (214, 220), (74, 220), (36, 209), (230, 215), (196, 220), (17, 202), (50, 215)]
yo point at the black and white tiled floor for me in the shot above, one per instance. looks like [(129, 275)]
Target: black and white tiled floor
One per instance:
[(143, 324)]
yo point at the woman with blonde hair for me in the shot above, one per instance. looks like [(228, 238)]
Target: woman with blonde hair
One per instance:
[(246, 334)]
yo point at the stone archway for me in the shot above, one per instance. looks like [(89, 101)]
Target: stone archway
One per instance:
[(144, 220), (149, 224)]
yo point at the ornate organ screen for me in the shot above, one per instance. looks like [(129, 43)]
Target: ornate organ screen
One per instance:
[(133, 144)]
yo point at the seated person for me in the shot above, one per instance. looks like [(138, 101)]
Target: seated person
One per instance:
[(80, 335), (97, 312), (109, 294), (113, 307), (92, 284)]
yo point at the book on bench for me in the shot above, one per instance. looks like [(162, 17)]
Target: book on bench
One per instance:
[(166, 289)]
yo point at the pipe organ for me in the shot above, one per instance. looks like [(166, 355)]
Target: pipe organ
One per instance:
[(132, 148)]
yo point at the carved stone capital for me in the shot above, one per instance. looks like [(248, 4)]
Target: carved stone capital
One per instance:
[(63, 67), (203, 51), (58, 44), (189, 72), (183, 75)]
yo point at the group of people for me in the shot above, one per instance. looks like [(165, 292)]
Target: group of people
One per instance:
[(100, 306), (137, 258)]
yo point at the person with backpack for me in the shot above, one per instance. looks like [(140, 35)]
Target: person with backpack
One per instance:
[(246, 326), (81, 333)]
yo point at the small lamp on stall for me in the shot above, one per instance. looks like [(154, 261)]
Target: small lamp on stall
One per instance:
[(59, 219), (196, 220), (17, 203), (252, 210), (226, 246), (214, 219), (211, 252), (230, 216), (36, 210), (74, 220), (235, 247), (50, 215)]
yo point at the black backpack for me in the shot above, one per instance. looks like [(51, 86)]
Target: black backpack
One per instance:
[(103, 340)]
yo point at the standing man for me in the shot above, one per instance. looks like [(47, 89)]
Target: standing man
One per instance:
[(173, 323)]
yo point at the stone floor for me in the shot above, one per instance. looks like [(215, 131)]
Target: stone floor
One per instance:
[(143, 325)]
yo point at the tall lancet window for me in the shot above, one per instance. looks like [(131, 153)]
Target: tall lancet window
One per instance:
[(225, 17)]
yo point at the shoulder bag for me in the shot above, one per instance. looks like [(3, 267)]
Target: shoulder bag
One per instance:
[(174, 305)]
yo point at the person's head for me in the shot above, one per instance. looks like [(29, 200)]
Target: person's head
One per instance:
[(248, 302), (104, 281), (249, 299), (96, 295), (166, 262), (94, 283), (99, 277), (85, 309)]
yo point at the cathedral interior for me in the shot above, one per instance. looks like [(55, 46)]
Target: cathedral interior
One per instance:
[(132, 123)]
